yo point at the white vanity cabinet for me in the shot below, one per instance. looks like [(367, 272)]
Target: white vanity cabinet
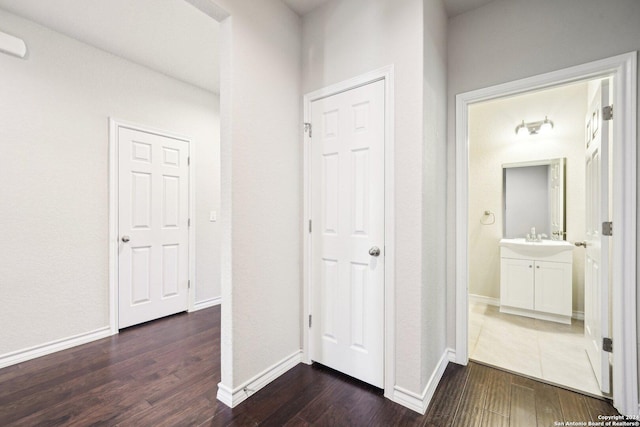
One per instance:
[(536, 286)]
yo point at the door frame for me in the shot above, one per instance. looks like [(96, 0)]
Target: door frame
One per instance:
[(623, 69), (114, 125), (386, 74)]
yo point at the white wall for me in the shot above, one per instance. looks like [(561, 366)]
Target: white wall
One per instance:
[(511, 39), (492, 143), (207, 164), (434, 198), (345, 38), (261, 134), (54, 110)]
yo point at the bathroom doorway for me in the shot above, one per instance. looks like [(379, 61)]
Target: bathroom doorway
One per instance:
[(532, 327), (622, 73)]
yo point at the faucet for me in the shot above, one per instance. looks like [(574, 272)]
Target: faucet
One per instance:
[(533, 237), (536, 237)]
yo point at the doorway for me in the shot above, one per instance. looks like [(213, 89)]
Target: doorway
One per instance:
[(347, 199), (622, 71), (154, 222), (527, 294), (350, 199)]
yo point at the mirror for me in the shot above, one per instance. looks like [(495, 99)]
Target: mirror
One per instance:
[(534, 196)]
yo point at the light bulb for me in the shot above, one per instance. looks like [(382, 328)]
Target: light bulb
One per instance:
[(547, 125), (521, 129)]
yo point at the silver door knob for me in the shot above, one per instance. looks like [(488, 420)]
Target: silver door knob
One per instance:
[(125, 239), (583, 244), (374, 251)]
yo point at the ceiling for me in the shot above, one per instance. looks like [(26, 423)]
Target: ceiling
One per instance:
[(453, 7), (161, 38), (302, 7), (456, 7)]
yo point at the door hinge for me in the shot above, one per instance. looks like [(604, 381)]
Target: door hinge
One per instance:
[(309, 320), (307, 128), (310, 226), (607, 228), (607, 345), (188, 161), (189, 222), (607, 112), (188, 284)]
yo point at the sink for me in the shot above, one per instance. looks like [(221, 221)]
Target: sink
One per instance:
[(542, 248)]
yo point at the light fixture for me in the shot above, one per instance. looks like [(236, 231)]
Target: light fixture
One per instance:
[(521, 129), (534, 128), (547, 125)]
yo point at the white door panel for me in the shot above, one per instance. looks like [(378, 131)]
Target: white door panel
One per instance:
[(348, 220), (153, 199), (596, 310)]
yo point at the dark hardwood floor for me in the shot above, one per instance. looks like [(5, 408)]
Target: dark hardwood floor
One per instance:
[(165, 373)]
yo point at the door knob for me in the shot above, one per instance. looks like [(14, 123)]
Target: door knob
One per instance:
[(583, 244), (126, 239), (374, 251)]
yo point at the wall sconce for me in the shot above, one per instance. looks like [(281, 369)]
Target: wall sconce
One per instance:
[(534, 128)]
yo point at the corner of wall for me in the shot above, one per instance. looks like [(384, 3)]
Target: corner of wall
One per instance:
[(420, 402), (234, 397)]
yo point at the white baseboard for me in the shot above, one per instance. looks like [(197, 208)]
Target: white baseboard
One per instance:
[(34, 352), (211, 302), (578, 315), (420, 402), (233, 398), (484, 300)]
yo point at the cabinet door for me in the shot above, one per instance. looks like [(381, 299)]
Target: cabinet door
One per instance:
[(553, 287), (516, 283)]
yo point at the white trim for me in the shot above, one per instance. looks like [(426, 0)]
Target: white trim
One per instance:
[(420, 402), (193, 280), (233, 398), (114, 124), (533, 314), (113, 226), (481, 299), (201, 305), (625, 261), (386, 74), (484, 300), (34, 352), (623, 68)]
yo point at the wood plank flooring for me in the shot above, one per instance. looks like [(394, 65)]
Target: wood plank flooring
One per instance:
[(165, 373)]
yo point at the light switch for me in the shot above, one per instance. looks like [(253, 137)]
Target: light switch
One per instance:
[(213, 216)]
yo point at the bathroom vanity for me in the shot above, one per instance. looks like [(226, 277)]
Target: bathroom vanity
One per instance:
[(536, 279)]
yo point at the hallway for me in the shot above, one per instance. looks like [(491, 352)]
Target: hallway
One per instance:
[(165, 373)]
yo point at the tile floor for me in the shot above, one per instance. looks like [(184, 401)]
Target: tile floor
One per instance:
[(550, 351)]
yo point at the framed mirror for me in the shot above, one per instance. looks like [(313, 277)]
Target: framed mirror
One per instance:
[(534, 196)]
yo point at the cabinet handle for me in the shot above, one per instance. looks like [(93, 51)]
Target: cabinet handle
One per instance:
[(537, 266), (531, 266)]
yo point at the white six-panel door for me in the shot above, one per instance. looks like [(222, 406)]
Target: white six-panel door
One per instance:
[(153, 215), (347, 191), (596, 292)]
